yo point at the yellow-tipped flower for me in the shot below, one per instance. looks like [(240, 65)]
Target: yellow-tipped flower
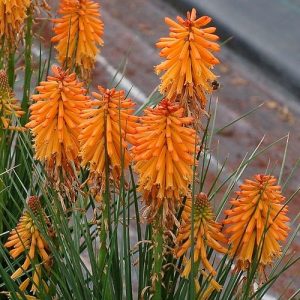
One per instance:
[(207, 233), (108, 125), (55, 120), (211, 286), (164, 155), (78, 34), (9, 106), (189, 60), (12, 16), (27, 239), (257, 221)]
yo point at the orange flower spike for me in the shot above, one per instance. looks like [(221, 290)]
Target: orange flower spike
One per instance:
[(55, 119), (207, 232), (9, 106), (257, 219), (188, 53), (110, 117), (12, 16), (163, 151), (78, 34), (26, 238)]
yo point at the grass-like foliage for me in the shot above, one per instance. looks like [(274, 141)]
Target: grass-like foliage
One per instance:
[(103, 200)]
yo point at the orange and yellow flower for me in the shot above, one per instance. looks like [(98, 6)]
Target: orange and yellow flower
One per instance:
[(27, 239), (207, 233), (188, 60), (12, 16), (10, 107), (55, 120), (164, 150), (109, 124), (78, 34), (206, 290), (257, 222)]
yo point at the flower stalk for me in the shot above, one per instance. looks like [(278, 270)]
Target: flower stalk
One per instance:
[(105, 207), (28, 61), (158, 254)]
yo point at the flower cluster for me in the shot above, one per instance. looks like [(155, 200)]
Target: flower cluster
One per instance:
[(107, 128), (10, 107), (78, 34), (257, 222), (12, 16), (207, 233), (188, 61), (164, 154), (27, 239), (55, 120)]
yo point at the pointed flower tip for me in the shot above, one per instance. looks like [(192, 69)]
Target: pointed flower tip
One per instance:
[(202, 201), (78, 33), (188, 53), (34, 204), (4, 86)]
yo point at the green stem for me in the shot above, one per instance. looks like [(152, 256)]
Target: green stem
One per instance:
[(103, 236), (139, 235), (11, 69), (28, 69), (105, 218), (158, 257)]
